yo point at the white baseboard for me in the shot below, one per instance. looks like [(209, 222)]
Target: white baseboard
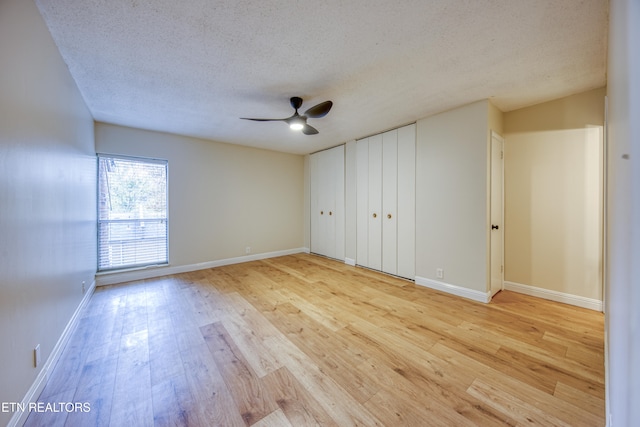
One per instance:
[(19, 417), (103, 279), (590, 303), (460, 291), (349, 261)]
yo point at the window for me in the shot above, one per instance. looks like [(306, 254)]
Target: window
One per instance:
[(132, 212)]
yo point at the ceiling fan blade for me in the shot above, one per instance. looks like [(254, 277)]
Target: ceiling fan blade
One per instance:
[(309, 130), (319, 110), (264, 120)]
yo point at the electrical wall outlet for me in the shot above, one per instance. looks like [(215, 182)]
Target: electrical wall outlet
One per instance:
[(247, 250), (439, 273), (36, 356)]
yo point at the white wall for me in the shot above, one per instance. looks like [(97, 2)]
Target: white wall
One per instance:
[(451, 197), (222, 197), (47, 197), (622, 297)]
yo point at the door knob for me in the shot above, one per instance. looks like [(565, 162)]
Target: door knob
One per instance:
[(389, 216), (330, 213), (375, 215), (321, 212), (495, 227)]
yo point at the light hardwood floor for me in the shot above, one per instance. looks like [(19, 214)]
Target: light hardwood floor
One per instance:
[(302, 340)]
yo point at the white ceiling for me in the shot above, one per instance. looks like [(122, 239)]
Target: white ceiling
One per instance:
[(193, 67)]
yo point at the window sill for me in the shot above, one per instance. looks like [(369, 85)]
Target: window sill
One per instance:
[(127, 270)]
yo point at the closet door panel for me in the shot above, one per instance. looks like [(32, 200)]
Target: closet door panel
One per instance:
[(315, 191), (362, 202), (337, 216), (406, 201), (389, 201), (326, 202), (375, 203), (326, 170)]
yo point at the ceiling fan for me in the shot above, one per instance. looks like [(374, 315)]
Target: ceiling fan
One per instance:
[(299, 122)]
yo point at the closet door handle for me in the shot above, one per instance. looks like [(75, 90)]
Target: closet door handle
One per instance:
[(330, 213), (389, 216), (321, 212), (495, 227), (375, 215)]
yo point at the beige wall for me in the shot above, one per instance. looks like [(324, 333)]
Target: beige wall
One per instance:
[(222, 198), (47, 197), (451, 196), (553, 195)]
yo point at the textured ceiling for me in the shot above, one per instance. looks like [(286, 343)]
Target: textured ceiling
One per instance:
[(193, 67)]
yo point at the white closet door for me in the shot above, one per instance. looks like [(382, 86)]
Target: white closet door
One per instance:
[(326, 205), (336, 215), (327, 202), (362, 202), (375, 203), (316, 190), (406, 201), (389, 201), (385, 206)]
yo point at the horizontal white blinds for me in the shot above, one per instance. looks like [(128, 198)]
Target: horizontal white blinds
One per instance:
[(132, 212)]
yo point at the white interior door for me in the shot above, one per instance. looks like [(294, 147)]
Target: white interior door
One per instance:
[(375, 203), (497, 228), (390, 202)]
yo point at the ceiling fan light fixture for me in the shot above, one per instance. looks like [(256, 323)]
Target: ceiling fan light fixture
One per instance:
[(296, 124)]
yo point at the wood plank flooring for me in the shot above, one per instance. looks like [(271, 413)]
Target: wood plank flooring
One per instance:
[(306, 341)]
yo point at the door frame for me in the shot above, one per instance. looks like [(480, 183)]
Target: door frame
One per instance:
[(493, 134)]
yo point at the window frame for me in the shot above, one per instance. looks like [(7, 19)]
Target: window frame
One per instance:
[(147, 160)]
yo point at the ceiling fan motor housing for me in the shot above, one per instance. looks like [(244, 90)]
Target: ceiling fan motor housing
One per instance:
[(296, 102)]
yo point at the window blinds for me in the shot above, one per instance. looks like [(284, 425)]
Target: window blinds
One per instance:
[(132, 212)]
